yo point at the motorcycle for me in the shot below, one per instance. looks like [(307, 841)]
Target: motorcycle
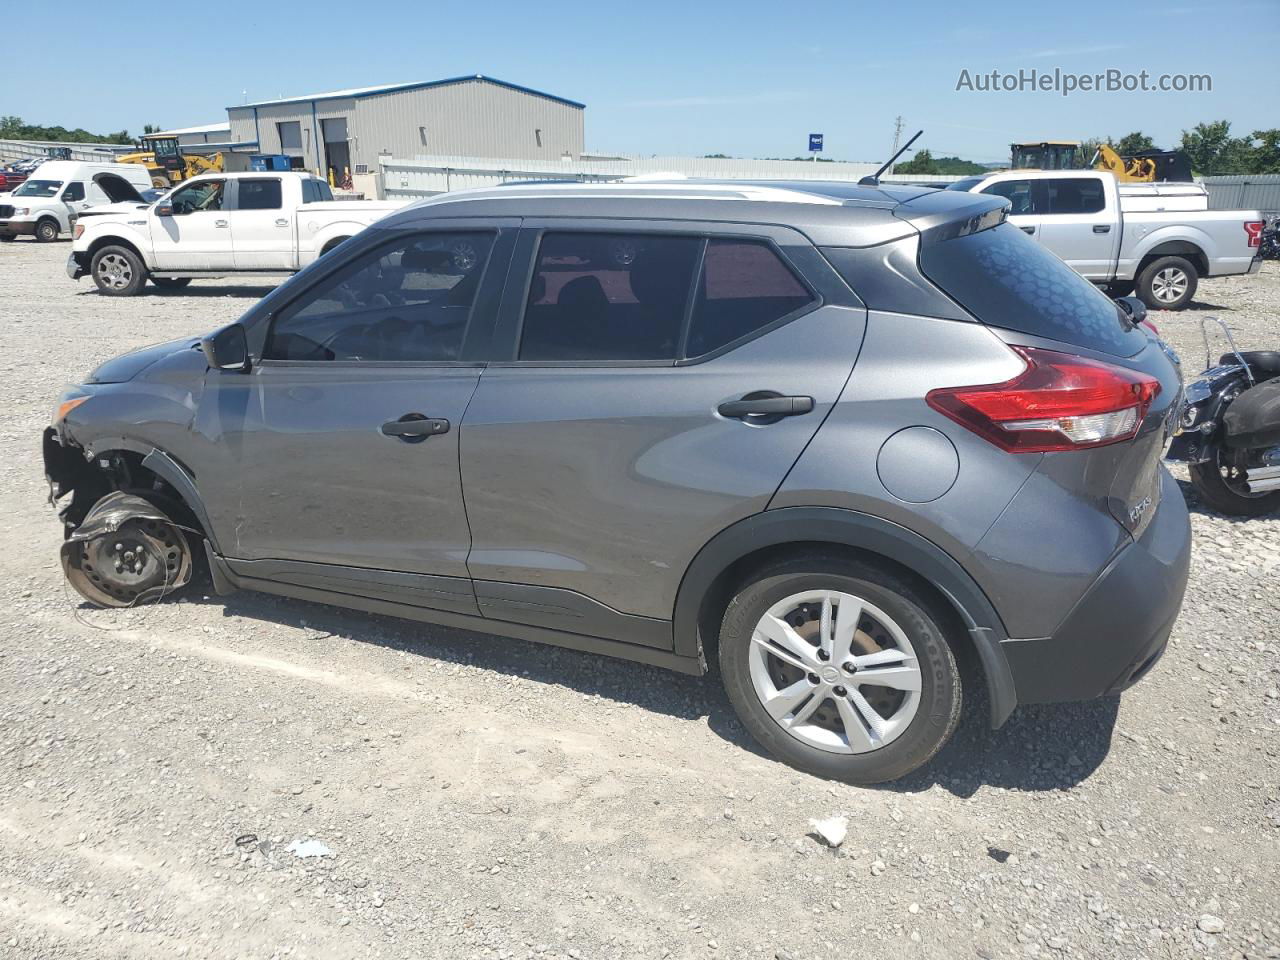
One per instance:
[(1270, 246), (1229, 430)]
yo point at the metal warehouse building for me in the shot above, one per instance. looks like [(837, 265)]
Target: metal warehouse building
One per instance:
[(475, 116)]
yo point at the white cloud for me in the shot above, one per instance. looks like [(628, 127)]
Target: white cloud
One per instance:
[(773, 96), (1075, 51)]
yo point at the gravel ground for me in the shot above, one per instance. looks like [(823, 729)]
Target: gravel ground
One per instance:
[(482, 797)]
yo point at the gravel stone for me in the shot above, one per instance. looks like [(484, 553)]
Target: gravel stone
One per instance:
[(598, 787)]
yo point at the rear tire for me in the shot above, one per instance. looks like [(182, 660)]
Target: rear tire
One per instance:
[(1221, 495), (47, 230), (170, 283), (118, 272), (810, 710), (1168, 283)]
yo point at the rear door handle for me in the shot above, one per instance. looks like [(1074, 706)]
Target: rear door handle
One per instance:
[(1102, 228), (771, 406), (415, 427)]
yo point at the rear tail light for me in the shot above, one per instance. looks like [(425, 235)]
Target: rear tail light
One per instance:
[(1253, 228), (1059, 402)]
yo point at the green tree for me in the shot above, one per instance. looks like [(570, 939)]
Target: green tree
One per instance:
[(1214, 151), (1131, 143), (921, 163), (954, 165), (1264, 151)]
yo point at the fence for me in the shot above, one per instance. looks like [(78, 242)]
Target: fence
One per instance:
[(1247, 192), (11, 150), (427, 176)]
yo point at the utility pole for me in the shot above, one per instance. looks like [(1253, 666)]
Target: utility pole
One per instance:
[(897, 135)]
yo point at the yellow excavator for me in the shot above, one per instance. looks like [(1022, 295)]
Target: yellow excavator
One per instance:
[(168, 165), (1148, 166)]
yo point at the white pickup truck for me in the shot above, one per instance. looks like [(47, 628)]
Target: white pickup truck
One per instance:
[(1126, 239), (214, 225)]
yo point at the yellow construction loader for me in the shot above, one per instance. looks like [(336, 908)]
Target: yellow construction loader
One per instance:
[(168, 165), (1145, 167)]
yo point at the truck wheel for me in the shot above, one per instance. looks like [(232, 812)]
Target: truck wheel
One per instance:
[(839, 668), (47, 230), (1168, 283), (170, 283), (118, 272)]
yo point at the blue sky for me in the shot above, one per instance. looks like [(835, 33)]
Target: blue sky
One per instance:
[(747, 78)]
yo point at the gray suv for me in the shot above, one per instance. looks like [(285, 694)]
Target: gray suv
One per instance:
[(837, 438)]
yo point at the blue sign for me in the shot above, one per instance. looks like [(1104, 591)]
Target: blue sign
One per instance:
[(815, 143)]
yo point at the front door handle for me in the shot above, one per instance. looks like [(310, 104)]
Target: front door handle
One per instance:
[(1102, 228), (282, 222), (415, 427), (765, 406), (219, 223)]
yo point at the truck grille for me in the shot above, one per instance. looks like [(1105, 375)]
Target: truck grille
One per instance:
[(6, 211)]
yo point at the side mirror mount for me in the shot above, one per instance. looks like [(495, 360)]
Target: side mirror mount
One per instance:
[(1134, 308), (165, 210), (227, 349)]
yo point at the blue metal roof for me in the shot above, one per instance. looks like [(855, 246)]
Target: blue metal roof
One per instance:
[(359, 92)]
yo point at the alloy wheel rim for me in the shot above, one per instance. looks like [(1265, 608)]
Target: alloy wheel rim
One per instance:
[(115, 271), (1169, 285), (835, 671)]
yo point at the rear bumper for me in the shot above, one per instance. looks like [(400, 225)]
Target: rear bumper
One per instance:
[(17, 228), (1118, 629)]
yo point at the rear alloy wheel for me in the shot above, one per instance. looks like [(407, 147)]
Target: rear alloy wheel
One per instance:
[(840, 669), (47, 231), (1168, 283), (118, 271)]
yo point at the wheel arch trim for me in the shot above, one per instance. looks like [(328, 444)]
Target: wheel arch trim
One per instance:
[(861, 531)]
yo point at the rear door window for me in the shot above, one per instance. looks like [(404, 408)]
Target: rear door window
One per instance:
[(1006, 279), (258, 194), (608, 297), (1074, 195), (744, 287)]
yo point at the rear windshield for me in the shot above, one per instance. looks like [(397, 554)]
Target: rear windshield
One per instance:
[(1006, 279)]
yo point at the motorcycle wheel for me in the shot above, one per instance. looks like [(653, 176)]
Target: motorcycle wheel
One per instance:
[(1221, 485)]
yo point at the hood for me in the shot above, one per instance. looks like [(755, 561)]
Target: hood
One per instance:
[(129, 365), (125, 209)]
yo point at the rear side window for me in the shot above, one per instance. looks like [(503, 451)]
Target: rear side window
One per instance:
[(1006, 279), (744, 286), (259, 195), (1074, 195), (608, 296)]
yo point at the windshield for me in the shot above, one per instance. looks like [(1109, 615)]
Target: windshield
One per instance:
[(968, 183), (38, 188)]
